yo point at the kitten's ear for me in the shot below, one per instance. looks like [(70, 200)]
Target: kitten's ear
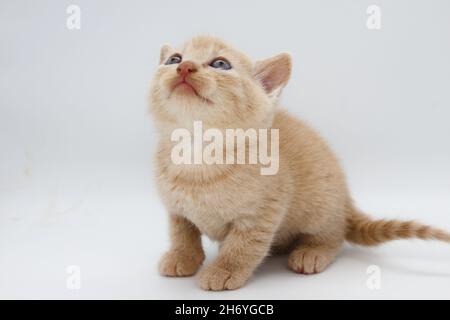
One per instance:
[(164, 53), (273, 73)]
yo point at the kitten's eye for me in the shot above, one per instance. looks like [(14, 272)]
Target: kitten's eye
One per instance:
[(220, 63), (176, 58)]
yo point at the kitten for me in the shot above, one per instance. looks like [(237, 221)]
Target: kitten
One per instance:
[(305, 208)]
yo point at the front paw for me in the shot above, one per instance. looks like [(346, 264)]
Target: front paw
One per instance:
[(218, 278), (180, 264)]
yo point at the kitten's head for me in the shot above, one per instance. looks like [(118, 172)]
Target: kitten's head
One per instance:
[(208, 80)]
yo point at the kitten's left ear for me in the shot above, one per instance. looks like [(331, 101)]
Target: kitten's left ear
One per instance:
[(164, 53), (273, 73)]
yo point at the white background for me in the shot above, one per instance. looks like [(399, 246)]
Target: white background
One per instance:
[(76, 139)]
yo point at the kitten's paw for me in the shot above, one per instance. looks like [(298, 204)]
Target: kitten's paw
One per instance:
[(218, 278), (180, 264), (309, 260)]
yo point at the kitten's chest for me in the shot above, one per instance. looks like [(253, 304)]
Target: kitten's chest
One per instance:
[(212, 206)]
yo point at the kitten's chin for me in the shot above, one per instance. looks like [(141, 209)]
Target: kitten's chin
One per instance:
[(184, 89), (185, 92)]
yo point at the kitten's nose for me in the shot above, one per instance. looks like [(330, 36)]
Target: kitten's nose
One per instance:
[(185, 68)]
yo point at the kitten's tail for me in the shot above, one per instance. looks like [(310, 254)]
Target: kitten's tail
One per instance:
[(363, 230)]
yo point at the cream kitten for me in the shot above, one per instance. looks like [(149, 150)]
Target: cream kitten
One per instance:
[(305, 208)]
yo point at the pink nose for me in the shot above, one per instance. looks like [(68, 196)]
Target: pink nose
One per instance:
[(185, 68)]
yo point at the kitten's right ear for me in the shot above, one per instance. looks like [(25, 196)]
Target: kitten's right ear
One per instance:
[(164, 53)]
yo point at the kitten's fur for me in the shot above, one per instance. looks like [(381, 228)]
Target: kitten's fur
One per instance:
[(305, 208)]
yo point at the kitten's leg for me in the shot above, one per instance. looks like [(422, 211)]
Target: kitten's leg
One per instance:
[(241, 252), (314, 254), (186, 253)]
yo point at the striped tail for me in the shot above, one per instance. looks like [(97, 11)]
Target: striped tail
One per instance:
[(365, 231)]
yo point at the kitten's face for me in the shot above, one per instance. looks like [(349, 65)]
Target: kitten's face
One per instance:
[(210, 81)]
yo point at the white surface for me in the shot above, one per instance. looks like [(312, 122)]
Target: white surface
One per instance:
[(76, 140)]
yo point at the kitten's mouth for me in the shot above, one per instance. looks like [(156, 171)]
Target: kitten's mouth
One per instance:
[(184, 87)]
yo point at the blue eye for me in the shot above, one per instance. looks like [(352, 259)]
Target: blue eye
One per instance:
[(176, 58), (220, 63)]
